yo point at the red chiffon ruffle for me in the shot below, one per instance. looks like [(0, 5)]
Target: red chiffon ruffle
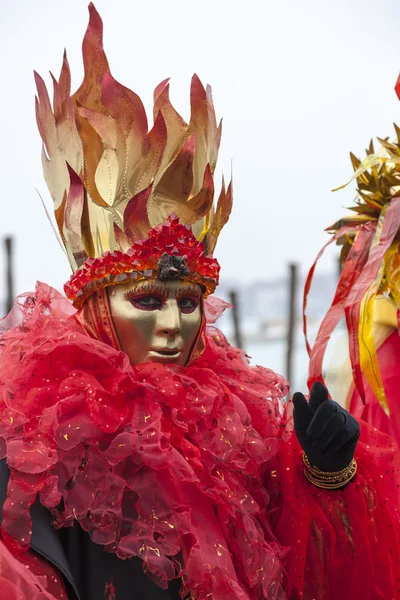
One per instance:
[(165, 464)]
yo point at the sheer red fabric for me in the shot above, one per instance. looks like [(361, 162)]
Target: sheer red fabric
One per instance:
[(345, 544), (27, 576), (195, 470), (95, 318), (369, 409)]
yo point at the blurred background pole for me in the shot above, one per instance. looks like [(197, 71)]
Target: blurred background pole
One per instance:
[(291, 330), (236, 321), (9, 247)]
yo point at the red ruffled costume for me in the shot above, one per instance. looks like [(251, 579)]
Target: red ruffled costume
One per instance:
[(195, 470)]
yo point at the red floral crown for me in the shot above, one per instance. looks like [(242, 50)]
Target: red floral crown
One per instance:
[(170, 252)]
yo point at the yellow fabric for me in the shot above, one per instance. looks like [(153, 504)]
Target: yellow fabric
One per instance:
[(339, 377), (385, 312)]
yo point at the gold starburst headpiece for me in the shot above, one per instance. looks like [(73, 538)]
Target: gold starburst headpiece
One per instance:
[(370, 256), (115, 184)]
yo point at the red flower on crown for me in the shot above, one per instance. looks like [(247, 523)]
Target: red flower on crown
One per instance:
[(142, 261)]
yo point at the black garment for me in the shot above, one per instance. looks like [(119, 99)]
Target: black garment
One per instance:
[(93, 570), (87, 570)]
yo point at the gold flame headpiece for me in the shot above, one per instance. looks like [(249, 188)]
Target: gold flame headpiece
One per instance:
[(115, 184)]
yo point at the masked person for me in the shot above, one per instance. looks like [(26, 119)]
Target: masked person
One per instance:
[(365, 376), (144, 458)]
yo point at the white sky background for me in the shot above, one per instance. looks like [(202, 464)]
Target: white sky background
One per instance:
[(298, 82)]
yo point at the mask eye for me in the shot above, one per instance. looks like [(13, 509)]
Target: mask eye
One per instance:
[(188, 304), (148, 302)]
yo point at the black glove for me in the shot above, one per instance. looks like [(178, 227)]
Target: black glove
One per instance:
[(327, 433)]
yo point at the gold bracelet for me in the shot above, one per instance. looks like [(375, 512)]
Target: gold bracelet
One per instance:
[(329, 480)]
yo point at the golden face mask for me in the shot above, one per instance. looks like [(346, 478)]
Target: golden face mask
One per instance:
[(156, 321)]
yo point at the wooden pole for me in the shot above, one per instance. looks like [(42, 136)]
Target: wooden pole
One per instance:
[(236, 321), (9, 247), (291, 330)]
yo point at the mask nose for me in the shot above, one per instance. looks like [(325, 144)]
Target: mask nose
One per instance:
[(169, 319)]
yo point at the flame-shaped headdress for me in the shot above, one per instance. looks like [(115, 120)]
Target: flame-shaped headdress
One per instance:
[(370, 240), (115, 184)]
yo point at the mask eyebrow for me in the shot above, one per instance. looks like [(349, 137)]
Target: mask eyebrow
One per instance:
[(191, 290), (147, 287)]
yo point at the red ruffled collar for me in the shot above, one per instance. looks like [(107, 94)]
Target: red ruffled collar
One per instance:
[(165, 464)]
